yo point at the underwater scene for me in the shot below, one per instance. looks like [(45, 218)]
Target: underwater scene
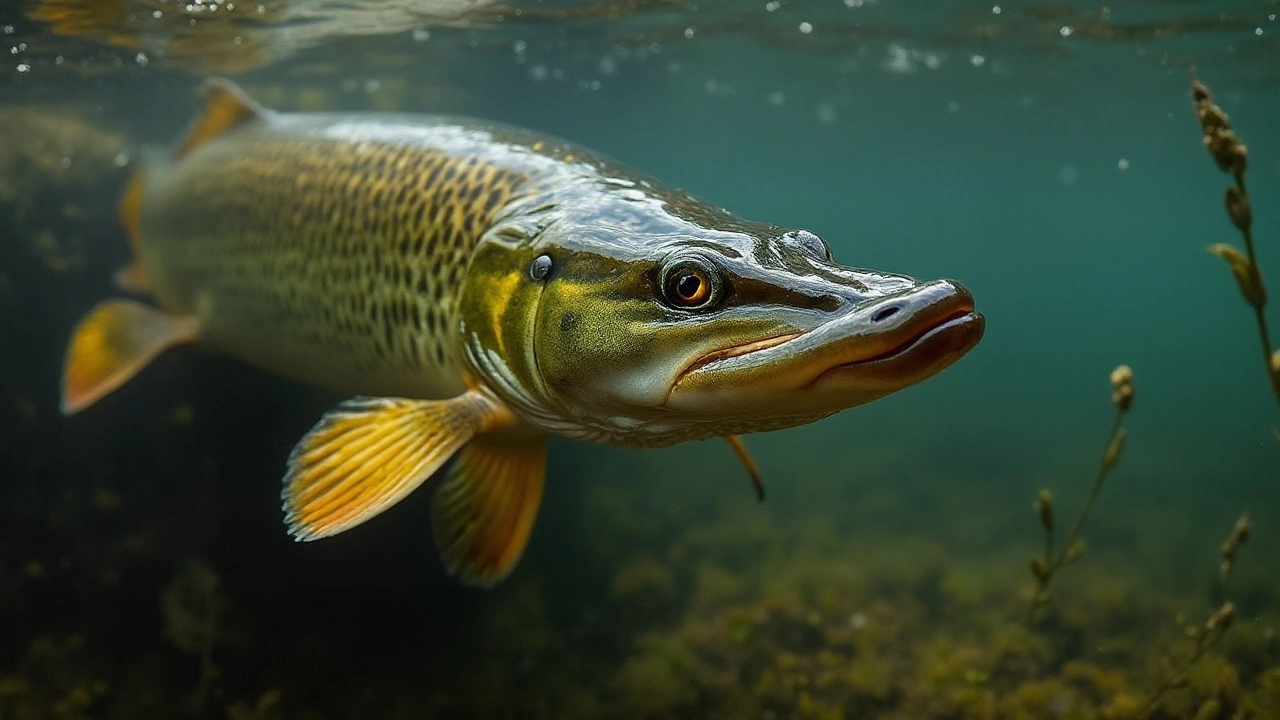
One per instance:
[(976, 292)]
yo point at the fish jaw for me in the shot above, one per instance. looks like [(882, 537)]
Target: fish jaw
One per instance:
[(875, 348)]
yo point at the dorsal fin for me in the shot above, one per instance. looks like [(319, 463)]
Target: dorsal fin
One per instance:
[(226, 106)]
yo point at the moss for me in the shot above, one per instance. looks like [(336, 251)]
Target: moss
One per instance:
[(1214, 676), (656, 680), (643, 579), (872, 678), (52, 683)]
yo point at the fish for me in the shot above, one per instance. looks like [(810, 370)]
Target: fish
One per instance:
[(476, 288)]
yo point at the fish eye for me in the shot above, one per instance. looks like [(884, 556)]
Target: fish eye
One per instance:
[(691, 284)]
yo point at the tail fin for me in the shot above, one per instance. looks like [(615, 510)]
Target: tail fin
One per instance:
[(226, 107)]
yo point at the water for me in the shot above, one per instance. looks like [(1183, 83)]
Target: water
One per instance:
[(1045, 155)]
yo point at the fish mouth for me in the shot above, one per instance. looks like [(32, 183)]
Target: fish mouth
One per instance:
[(869, 351)]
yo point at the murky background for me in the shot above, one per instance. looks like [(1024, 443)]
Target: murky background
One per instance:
[(1046, 155)]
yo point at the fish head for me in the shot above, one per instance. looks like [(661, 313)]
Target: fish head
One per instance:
[(645, 335)]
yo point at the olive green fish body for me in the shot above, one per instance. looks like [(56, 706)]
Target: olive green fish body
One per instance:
[(333, 249)]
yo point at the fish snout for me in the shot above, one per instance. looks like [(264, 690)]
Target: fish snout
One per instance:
[(925, 303)]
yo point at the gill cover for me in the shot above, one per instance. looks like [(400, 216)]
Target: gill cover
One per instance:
[(498, 309)]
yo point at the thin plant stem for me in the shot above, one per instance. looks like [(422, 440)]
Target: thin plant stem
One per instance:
[(1054, 563), (1103, 468), (1259, 312)]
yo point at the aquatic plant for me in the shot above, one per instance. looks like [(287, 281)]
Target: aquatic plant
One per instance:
[(191, 605), (1208, 634), (1232, 157), (1047, 566)]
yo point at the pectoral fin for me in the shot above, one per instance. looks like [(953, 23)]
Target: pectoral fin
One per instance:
[(367, 454), (112, 343), (484, 511)]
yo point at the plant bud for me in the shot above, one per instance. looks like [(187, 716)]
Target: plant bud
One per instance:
[(1075, 552), (1246, 275), (1238, 208), (1240, 159), (1040, 569), (1240, 532), (1122, 375), (1221, 618), (1123, 397), (1044, 507), (1223, 145), (1122, 386), (1199, 91)]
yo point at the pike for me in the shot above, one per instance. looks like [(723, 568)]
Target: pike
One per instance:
[(477, 288)]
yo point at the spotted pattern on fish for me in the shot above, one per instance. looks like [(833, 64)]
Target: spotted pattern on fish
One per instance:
[(360, 247)]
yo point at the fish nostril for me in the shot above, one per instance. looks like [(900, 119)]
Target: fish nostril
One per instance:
[(885, 313)]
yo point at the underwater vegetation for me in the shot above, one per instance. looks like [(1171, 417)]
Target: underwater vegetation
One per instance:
[(743, 617), (1232, 157)]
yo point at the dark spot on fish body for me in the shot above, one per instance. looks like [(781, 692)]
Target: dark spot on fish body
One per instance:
[(491, 202), (568, 322), (433, 177)]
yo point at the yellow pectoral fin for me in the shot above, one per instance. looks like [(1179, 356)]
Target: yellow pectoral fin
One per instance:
[(484, 511), (112, 343), (367, 454)]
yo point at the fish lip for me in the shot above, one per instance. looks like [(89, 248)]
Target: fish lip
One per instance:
[(738, 350), (962, 330), (940, 313)]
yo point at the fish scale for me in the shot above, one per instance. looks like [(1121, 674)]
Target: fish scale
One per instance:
[(287, 241)]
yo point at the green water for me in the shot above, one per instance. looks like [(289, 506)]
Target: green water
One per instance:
[(1047, 156)]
